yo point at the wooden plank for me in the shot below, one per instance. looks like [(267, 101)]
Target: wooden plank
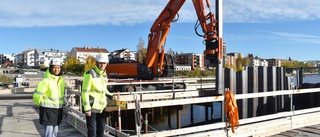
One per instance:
[(309, 110), (290, 134), (267, 117), (163, 95), (168, 94), (269, 127), (315, 126), (305, 120), (148, 97), (280, 135), (214, 133), (244, 130), (115, 132), (309, 130), (77, 120), (161, 103), (160, 81), (185, 130)]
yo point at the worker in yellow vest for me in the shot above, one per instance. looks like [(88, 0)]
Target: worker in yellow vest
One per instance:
[(49, 96), (94, 93)]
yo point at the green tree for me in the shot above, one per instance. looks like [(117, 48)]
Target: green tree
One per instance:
[(197, 72)]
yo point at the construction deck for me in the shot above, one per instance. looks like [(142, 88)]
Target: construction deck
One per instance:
[(19, 118)]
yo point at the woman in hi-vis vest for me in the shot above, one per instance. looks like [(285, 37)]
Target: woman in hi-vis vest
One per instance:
[(49, 95)]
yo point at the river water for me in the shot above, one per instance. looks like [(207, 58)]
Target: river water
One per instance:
[(161, 121), (311, 79)]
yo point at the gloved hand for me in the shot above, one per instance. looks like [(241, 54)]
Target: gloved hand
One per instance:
[(121, 103)]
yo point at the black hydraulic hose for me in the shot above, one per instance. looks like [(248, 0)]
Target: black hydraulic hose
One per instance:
[(196, 25)]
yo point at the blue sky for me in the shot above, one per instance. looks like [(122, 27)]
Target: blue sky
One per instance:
[(264, 28)]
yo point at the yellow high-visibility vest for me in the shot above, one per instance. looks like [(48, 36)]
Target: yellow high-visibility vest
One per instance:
[(49, 91), (94, 90)]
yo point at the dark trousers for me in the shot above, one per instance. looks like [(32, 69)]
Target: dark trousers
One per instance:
[(96, 124)]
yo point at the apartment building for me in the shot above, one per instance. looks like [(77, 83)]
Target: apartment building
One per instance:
[(43, 57), (36, 57), (7, 60), (124, 53), (231, 59), (191, 59), (25, 59), (82, 53), (255, 62), (264, 62), (274, 62)]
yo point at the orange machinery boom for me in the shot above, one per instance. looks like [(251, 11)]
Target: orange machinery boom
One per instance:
[(157, 64)]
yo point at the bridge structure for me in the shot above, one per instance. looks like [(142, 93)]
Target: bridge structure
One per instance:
[(269, 105), (268, 102)]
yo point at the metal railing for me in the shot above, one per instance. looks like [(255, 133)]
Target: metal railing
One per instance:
[(273, 123)]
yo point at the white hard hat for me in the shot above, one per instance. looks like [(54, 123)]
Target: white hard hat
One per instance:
[(102, 58), (55, 61)]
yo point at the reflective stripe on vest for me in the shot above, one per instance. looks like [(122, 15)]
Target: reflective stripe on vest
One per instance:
[(52, 102), (38, 92)]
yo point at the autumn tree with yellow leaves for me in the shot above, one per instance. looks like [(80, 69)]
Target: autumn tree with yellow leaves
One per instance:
[(90, 62), (73, 66)]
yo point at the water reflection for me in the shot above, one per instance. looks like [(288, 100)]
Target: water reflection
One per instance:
[(160, 122), (305, 79)]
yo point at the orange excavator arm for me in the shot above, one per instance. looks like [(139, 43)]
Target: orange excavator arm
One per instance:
[(158, 34), (157, 63), (160, 28), (208, 24)]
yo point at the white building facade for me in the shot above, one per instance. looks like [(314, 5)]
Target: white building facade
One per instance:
[(124, 53), (182, 68), (43, 57), (82, 53), (25, 59)]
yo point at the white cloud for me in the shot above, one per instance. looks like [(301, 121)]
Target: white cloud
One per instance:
[(299, 37), (17, 13), (270, 10)]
